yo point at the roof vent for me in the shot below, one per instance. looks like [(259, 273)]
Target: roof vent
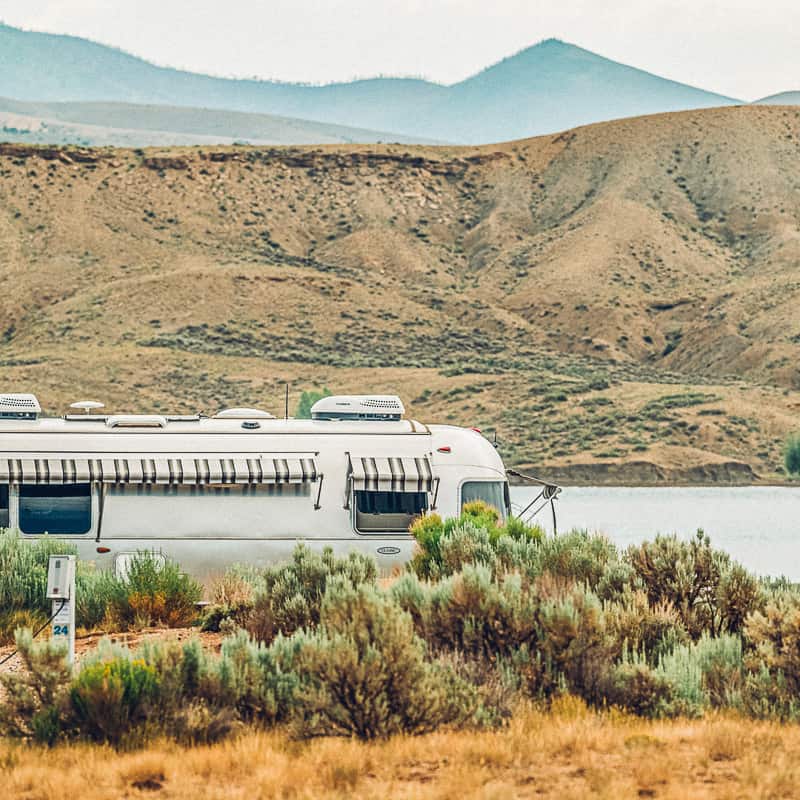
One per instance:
[(19, 406), (384, 407), (136, 421), (243, 413)]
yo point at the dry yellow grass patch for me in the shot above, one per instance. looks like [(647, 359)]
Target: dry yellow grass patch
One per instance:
[(570, 753)]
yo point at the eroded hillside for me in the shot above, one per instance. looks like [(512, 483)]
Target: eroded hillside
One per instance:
[(619, 293)]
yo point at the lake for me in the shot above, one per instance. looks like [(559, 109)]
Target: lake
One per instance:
[(758, 525)]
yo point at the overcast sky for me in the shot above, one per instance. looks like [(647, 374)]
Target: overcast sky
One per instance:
[(742, 48)]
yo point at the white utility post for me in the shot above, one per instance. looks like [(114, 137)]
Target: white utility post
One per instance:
[(61, 590)]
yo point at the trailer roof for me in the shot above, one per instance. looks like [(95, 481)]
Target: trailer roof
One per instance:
[(164, 425)]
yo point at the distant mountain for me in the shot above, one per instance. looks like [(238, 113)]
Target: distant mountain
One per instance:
[(782, 99), (129, 125), (545, 88)]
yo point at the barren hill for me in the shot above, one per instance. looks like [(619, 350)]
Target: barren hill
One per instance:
[(622, 296), (547, 87)]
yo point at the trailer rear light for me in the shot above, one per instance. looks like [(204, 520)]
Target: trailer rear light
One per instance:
[(445, 449), (103, 549)]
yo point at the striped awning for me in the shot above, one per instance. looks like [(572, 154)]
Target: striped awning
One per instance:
[(175, 471), (371, 473)]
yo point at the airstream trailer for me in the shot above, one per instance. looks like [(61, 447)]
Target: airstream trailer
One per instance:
[(241, 486)]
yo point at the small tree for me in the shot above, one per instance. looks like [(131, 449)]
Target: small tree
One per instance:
[(791, 455), (307, 399)]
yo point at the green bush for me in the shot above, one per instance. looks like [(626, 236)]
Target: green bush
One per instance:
[(772, 638), (364, 672), (712, 593), (36, 697), (649, 630), (291, 594), (577, 556), (23, 579), (476, 537), (791, 455), (112, 699), (154, 592), (94, 592), (258, 680), (552, 635), (637, 687)]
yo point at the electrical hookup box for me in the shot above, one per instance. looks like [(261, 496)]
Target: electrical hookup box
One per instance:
[(61, 590)]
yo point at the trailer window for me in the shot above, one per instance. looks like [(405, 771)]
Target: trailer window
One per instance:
[(4, 506), (388, 512), (55, 509), (495, 493)]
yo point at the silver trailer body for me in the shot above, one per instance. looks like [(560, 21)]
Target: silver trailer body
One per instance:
[(237, 488)]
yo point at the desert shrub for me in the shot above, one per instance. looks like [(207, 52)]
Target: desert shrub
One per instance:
[(636, 687), (497, 687), (95, 590), (791, 455), (517, 529), (23, 578), (772, 638), (477, 536), (711, 592), (573, 647), (467, 542), (427, 531), (649, 630), (551, 633), (704, 674), (112, 699), (291, 597), (232, 598), (576, 556), (36, 698), (258, 680), (364, 672), (768, 695), (14, 619), (154, 592), (481, 513)]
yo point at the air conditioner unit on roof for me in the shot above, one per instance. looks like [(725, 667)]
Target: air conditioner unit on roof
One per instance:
[(19, 406), (364, 407)]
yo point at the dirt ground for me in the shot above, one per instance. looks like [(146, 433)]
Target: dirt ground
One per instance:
[(88, 642)]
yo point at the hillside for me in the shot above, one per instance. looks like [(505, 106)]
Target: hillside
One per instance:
[(125, 124), (619, 299), (548, 87), (781, 99)]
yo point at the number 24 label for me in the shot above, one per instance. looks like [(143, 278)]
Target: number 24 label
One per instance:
[(60, 630)]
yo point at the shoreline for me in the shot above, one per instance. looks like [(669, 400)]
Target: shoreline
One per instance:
[(647, 474)]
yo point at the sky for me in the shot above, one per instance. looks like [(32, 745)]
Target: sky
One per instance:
[(741, 48)]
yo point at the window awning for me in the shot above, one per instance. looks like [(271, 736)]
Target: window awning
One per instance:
[(216, 469), (403, 474)]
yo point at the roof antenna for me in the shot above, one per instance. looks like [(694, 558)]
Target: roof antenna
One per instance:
[(286, 406)]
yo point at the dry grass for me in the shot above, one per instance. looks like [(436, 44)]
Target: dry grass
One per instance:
[(568, 753)]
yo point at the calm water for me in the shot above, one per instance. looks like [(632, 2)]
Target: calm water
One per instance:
[(759, 526)]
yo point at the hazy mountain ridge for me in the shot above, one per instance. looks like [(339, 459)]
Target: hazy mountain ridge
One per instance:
[(95, 123), (781, 99), (604, 295), (545, 88)]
